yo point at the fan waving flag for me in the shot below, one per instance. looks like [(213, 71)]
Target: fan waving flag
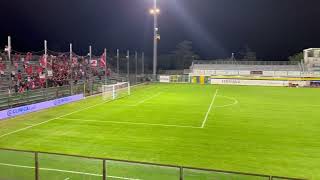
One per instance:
[(103, 60), (43, 61), (94, 63)]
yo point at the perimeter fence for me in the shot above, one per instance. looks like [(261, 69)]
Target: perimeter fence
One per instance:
[(33, 165)]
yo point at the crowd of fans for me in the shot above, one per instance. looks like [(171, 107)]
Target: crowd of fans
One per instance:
[(28, 72)]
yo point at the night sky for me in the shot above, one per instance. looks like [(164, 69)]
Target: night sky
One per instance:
[(274, 29)]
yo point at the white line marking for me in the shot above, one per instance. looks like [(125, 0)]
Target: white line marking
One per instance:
[(31, 126), (28, 127), (66, 178), (133, 123), (66, 171), (235, 101), (209, 109), (147, 99)]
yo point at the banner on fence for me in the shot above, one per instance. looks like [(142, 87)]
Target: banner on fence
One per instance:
[(249, 82), (165, 79), (8, 113)]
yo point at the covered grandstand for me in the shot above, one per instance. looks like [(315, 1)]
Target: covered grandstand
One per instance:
[(267, 73), (248, 65)]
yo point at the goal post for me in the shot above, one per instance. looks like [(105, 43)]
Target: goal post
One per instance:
[(114, 91)]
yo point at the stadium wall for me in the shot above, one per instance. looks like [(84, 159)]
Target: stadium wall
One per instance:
[(242, 80), (9, 113)]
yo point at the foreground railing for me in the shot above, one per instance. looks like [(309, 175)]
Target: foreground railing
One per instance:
[(29, 165)]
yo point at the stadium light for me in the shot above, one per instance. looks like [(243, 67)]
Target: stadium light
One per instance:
[(155, 11)]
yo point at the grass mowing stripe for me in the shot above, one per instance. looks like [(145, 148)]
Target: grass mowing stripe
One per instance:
[(66, 171), (133, 123), (210, 107)]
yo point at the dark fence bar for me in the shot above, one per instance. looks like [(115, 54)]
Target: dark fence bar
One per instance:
[(104, 171), (36, 166), (180, 168)]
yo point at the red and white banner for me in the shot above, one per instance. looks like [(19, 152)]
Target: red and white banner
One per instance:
[(94, 63)]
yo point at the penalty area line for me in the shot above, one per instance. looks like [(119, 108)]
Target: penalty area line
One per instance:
[(209, 109), (132, 123), (66, 171), (34, 125)]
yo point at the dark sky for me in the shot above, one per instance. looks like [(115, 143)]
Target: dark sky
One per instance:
[(274, 29)]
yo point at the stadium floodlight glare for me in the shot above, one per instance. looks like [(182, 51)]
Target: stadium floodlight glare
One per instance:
[(154, 11)]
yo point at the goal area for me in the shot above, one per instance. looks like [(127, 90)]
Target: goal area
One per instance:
[(114, 91)]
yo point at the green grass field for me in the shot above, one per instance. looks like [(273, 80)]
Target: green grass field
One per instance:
[(266, 130)]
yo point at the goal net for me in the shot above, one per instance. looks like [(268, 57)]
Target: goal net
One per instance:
[(114, 91)]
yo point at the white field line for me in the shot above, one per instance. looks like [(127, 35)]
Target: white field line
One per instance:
[(209, 109), (66, 171), (147, 99), (133, 123), (235, 101), (31, 126), (28, 127), (66, 178)]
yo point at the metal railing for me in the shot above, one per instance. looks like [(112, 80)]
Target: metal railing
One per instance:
[(10, 100), (105, 166)]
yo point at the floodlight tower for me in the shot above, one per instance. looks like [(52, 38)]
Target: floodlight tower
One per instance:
[(155, 11)]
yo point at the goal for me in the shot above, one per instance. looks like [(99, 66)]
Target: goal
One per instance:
[(114, 91)]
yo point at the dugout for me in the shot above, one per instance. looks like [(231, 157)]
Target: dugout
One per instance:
[(315, 84)]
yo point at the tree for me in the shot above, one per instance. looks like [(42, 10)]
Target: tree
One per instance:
[(184, 55), (296, 57)]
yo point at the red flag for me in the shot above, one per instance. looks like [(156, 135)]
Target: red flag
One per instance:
[(103, 60)]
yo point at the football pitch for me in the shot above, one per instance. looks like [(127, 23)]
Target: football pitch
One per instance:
[(263, 130)]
